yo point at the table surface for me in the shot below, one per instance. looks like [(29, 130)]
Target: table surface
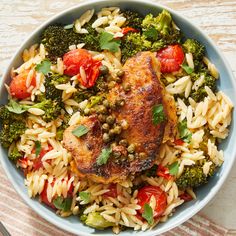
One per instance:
[(18, 18)]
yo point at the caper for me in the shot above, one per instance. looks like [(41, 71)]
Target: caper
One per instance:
[(131, 157), (102, 109), (102, 118), (123, 142), (142, 155), (116, 154), (131, 148), (120, 102), (105, 127), (120, 73), (111, 132), (124, 124), (111, 84), (117, 129), (110, 120), (106, 137), (103, 69), (127, 87), (86, 111), (105, 103)]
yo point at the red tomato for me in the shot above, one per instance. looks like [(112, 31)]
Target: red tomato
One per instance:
[(179, 142), (18, 87), (38, 162), (112, 192), (43, 195), (163, 172), (171, 58), (78, 59), (144, 196), (126, 30), (186, 197)]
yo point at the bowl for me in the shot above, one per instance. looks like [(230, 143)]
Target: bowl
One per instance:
[(226, 84)]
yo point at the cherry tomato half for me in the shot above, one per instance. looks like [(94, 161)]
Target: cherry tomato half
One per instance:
[(79, 60), (163, 172), (18, 87), (127, 30), (171, 58), (43, 195), (144, 196), (186, 197)]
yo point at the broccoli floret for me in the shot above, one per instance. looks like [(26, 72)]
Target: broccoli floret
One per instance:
[(51, 92), (194, 47), (11, 132), (15, 154), (133, 19), (193, 176), (12, 126), (51, 108), (57, 40), (201, 93), (134, 43), (96, 220)]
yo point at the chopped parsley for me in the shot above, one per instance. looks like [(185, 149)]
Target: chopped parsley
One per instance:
[(174, 168), (37, 148), (63, 204), (108, 42), (44, 67), (151, 34), (85, 197), (188, 69), (15, 107), (80, 131), (184, 133), (104, 156), (158, 114), (148, 214)]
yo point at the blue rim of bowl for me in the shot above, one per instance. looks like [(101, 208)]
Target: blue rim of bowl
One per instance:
[(210, 195)]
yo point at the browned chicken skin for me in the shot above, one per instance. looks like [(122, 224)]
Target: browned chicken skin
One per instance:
[(142, 74)]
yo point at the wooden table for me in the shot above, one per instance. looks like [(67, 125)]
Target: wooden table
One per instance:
[(217, 18)]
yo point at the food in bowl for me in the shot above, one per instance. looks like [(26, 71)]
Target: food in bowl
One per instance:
[(115, 118)]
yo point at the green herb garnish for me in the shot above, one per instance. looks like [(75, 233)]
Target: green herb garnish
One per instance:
[(148, 214), (85, 196), (44, 67), (80, 131), (158, 114), (184, 132), (63, 204), (108, 42), (37, 148), (104, 156), (189, 70), (15, 107), (174, 168)]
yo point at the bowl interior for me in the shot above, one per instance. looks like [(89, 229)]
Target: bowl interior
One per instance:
[(226, 84)]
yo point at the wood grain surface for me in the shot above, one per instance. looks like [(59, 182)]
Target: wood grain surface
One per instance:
[(18, 18)]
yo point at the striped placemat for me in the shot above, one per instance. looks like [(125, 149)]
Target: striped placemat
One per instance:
[(20, 220)]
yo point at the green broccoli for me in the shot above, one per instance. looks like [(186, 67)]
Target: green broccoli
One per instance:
[(57, 40), (201, 93), (12, 126), (15, 154), (193, 176), (96, 220), (133, 19), (51, 92), (51, 108), (194, 47)]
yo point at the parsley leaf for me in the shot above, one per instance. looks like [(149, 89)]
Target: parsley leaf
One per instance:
[(151, 34), (80, 131), (15, 107), (174, 168), (37, 148), (104, 156), (188, 69), (184, 132), (148, 214), (108, 42), (85, 196), (158, 114), (44, 67), (63, 204)]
